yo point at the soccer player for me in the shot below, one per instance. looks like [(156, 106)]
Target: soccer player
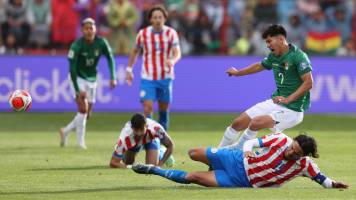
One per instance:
[(83, 57), (141, 132), (281, 160), (161, 52), (293, 78)]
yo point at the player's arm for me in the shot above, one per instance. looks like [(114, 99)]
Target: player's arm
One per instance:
[(168, 143), (307, 85), (312, 171), (117, 162), (73, 54), (251, 69), (248, 147), (111, 62), (176, 53)]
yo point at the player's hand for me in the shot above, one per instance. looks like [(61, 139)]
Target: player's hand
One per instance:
[(113, 84), (281, 100), (232, 71), (129, 78), (170, 63), (340, 185), (249, 154)]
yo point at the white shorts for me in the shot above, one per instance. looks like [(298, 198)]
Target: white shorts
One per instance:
[(285, 118), (86, 86)]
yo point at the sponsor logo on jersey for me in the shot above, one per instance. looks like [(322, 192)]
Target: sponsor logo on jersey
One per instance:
[(96, 52), (286, 65)]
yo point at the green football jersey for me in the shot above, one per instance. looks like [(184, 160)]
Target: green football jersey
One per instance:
[(287, 70), (83, 59)]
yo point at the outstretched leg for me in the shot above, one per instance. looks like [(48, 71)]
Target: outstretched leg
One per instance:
[(201, 178)]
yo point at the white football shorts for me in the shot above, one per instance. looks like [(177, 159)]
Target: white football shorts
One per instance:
[(285, 118), (87, 86)]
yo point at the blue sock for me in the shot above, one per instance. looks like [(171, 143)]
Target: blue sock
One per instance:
[(171, 174), (164, 119)]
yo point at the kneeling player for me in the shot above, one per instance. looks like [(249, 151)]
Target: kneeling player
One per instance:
[(140, 133)]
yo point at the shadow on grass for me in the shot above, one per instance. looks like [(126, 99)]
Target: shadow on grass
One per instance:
[(94, 167), (113, 189)]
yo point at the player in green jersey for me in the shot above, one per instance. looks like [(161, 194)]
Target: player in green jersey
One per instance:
[(83, 56), (292, 73)]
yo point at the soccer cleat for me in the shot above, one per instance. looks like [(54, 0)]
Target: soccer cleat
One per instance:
[(63, 137), (143, 168), (170, 161), (83, 146)]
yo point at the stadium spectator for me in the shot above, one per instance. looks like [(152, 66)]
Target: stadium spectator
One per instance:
[(295, 30), (265, 12), (348, 49), (292, 73), (284, 9), (40, 18), (281, 160), (161, 52), (83, 56), (15, 30), (139, 133), (64, 22), (122, 17), (340, 21)]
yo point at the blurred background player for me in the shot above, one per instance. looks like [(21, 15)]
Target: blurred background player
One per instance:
[(83, 56), (293, 78), (283, 159), (140, 133), (161, 52)]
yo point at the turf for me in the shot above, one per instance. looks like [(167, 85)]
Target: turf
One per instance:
[(33, 166)]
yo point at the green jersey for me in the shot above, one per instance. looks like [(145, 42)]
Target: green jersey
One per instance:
[(287, 70), (83, 59)]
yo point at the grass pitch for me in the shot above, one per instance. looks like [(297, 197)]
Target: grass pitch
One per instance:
[(33, 166)]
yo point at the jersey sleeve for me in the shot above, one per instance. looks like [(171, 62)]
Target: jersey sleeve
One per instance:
[(121, 145), (267, 62), (270, 139), (110, 58), (312, 171), (139, 40), (303, 64), (73, 54), (174, 39), (159, 131)]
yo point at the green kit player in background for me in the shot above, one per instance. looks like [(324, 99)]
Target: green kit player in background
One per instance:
[(292, 73), (83, 56)]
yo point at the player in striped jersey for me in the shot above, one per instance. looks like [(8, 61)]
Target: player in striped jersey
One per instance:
[(161, 52), (281, 160), (137, 134)]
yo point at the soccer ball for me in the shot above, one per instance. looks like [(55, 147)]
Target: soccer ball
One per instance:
[(20, 100)]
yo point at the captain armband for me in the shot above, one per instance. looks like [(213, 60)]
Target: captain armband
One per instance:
[(323, 180)]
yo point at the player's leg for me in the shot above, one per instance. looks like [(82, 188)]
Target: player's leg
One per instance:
[(233, 131), (199, 154), (82, 104), (260, 119), (147, 97), (90, 109), (129, 157), (285, 118), (164, 97)]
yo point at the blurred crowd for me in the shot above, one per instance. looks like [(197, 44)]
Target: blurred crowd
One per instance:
[(205, 27)]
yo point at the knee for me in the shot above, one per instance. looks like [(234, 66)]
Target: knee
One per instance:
[(255, 124), (192, 177), (239, 124), (193, 153)]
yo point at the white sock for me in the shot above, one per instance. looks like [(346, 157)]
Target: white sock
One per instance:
[(229, 137), (248, 135), (81, 124), (71, 126)]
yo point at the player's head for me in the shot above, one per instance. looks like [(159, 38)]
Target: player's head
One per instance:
[(302, 145), (275, 37), (157, 16), (88, 29), (138, 124)]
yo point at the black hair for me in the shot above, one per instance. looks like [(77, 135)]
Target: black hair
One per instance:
[(308, 145), (274, 30), (160, 8), (138, 121)]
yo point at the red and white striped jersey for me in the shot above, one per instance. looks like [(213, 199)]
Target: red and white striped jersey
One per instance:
[(127, 139), (157, 48), (269, 169)]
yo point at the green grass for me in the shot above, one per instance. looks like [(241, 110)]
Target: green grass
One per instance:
[(33, 166)]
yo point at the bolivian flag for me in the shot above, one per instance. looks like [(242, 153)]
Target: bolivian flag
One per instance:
[(322, 43)]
